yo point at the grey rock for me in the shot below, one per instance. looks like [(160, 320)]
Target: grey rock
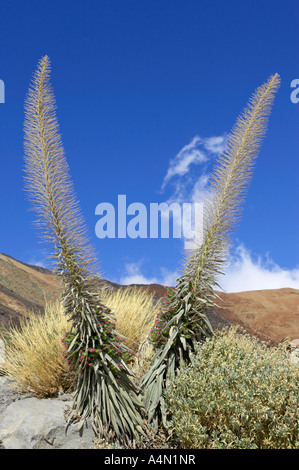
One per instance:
[(33, 423), (294, 356), (294, 351), (2, 353), (64, 396), (7, 393)]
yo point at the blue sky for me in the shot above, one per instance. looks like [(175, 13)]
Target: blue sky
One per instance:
[(146, 91)]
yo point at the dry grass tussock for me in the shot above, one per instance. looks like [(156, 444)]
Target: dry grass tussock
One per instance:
[(34, 352), (135, 311)]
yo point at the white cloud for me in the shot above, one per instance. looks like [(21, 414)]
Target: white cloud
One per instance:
[(191, 186), (198, 151), (199, 189), (194, 194), (188, 155), (133, 275), (245, 273), (169, 277), (215, 144), (37, 262)]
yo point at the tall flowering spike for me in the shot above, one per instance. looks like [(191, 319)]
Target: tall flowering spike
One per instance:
[(97, 356), (229, 185), (49, 184), (183, 319)]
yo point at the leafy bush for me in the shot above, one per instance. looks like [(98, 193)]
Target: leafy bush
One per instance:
[(236, 393)]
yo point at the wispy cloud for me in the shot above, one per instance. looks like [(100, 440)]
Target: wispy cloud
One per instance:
[(215, 144), (190, 154), (40, 263), (199, 150), (247, 272), (37, 258), (188, 176), (133, 275)]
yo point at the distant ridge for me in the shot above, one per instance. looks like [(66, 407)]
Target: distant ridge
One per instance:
[(33, 266), (271, 315)]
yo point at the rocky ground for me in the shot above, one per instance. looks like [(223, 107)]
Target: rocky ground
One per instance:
[(31, 423), (27, 422)]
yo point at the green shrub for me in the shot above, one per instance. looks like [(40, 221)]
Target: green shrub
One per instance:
[(236, 393)]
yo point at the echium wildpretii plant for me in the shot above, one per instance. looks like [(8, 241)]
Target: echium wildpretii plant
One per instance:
[(183, 318), (98, 355)]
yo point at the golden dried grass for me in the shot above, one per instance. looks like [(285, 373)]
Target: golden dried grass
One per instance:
[(34, 353), (34, 356), (135, 311)]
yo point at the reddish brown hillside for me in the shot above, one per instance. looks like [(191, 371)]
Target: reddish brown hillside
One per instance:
[(271, 315), (24, 289)]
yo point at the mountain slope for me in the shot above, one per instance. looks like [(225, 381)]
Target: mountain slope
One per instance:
[(23, 289), (271, 315)]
